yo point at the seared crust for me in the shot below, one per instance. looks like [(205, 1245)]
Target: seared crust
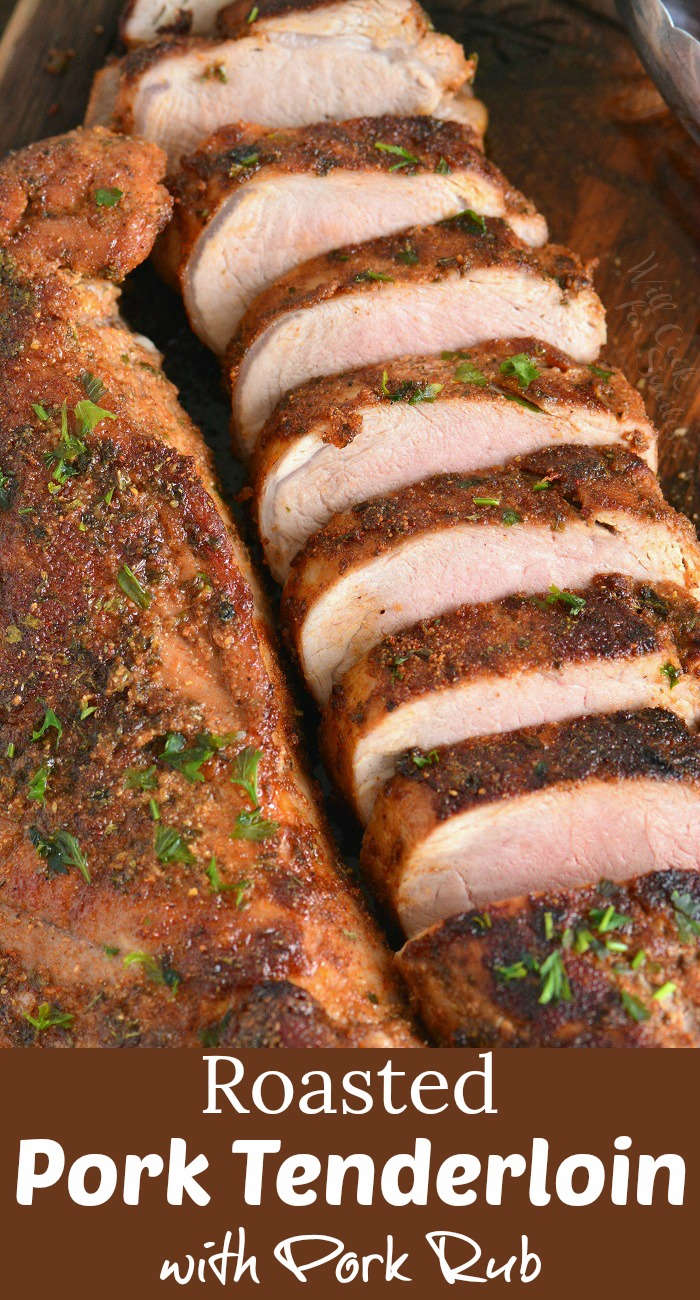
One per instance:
[(133, 937), (235, 154), (651, 743), (89, 201), (620, 619), (331, 407), (583, 482), (451, 248), (463, 982)]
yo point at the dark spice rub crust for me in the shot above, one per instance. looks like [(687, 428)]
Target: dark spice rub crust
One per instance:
[(457, 246), (621, 965), (147, 895), (618, 618)]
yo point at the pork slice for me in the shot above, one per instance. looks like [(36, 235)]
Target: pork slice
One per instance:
[(342, 439), (430, 289), (453, 540), (605, 966), (143, 21), (518, 662), (551, 807), (253, 204), (301, 66)]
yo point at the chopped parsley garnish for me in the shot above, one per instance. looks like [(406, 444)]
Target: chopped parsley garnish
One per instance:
[(109, 950), (638, 960), (473, 217), (521, 365), (442, 167), (253, 14), (40, 411), (61, 851), (5, 485), (88, 414), (605, 919), (253, 826), (37, 786), (548, 925), (171, 846), (635, 1009), (108, 196), (573, 602), (542, 485), (510, 517), (599, 373), (467, 373), (159, 972), (137, 779), (48, 1018), (248, 160), (91, 385), (215, 72), (87, 712), (188, 759), (132, 588), (518, 971), (687, 913), (664, 991), (410, 390), (671, 673), (154, 809), (486, 501), (521, 401), (50, 722), (407, 255), (407, 159), (425, 760), (555, 983), (245, 772), (375, 275)]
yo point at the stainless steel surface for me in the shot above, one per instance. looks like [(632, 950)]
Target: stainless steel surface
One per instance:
[(667, 37)]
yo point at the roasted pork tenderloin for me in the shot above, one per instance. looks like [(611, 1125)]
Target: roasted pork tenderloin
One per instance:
[(286, 67), (515, 663), (559, 806), (250, 205), (166, 877), (552, 520), (610, 965), (433, 288), (341, 440)]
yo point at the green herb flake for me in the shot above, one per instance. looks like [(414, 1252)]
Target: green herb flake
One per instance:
[(407, 159), (542, 486), (87, 712), (475, 218), (171, 846), (555, 983), (374, 275), (522, 366), (91, 385), (40, 412), (425, 760), (36, 789), (108, 196), (249, 160), (89, 414), (467, 373), (486, 501), (48, 1018), (154, 809), (517, 971), (109, 950), (671, 673), (61, 851), (245, 772), (510, 517), (253, 826), (664, 991), (638, 960), (132, 588), (50, 722), (606, 918), (548, 925), (687, 914), (188, 759), (10, 751), (159, 972), (138, 779), (411, 391), (600, 373), (574, 603), (635, 1009), (253, 14), (407, 255), (442, 167)]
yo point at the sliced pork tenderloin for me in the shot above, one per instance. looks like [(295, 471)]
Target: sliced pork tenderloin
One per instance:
[(453, 540), (252, 204), (515, 663), (342, 439), (143, 21), (554, 807), (285, 68), (606, 966), (430, 289)]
